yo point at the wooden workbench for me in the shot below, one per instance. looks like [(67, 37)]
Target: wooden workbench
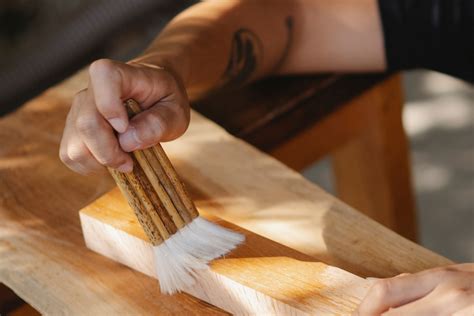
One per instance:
[(42, 253)]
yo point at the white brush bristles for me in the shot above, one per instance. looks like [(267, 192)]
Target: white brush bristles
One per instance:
[(179, 257)]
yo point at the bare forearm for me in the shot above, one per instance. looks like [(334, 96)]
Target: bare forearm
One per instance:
[(220, 43), (336, 36), (230, 42)]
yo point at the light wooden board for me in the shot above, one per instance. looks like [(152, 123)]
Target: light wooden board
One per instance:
[(260, 277), (43, 257)]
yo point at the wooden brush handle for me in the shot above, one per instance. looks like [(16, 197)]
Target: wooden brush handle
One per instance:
[(154, 190)]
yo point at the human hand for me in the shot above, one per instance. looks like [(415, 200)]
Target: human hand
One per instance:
[(440, 291), (89, 140)]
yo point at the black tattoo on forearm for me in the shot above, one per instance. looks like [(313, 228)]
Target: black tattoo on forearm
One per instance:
[(246, 56), (246, 53)]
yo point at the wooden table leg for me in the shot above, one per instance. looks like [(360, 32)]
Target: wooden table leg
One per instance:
[(372, 171)]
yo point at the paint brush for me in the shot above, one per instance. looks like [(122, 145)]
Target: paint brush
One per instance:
[(183, 242)]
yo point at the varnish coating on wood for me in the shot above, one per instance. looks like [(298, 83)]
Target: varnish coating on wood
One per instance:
[(42, 253), (260, 277)]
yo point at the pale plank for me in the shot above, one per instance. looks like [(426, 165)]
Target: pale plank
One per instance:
[(260, 277)]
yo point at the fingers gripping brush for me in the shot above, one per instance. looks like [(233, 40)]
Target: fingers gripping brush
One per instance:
[(183, 242)]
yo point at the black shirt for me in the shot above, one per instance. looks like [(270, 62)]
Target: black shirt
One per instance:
[(433, 34)]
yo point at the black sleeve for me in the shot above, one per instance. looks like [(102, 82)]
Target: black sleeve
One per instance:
[(433, 34)]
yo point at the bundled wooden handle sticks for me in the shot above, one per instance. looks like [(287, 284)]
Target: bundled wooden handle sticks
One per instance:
[(183, 242), (154, 191)]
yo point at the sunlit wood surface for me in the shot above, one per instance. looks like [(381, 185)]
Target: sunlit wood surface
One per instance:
[(42, 253), (260, 277)]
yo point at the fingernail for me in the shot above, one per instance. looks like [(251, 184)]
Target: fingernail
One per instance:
[(126, 167), (129, 140), (118, 124)]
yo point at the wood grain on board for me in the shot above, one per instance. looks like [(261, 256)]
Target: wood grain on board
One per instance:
[(260, 277), (42, 253)]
